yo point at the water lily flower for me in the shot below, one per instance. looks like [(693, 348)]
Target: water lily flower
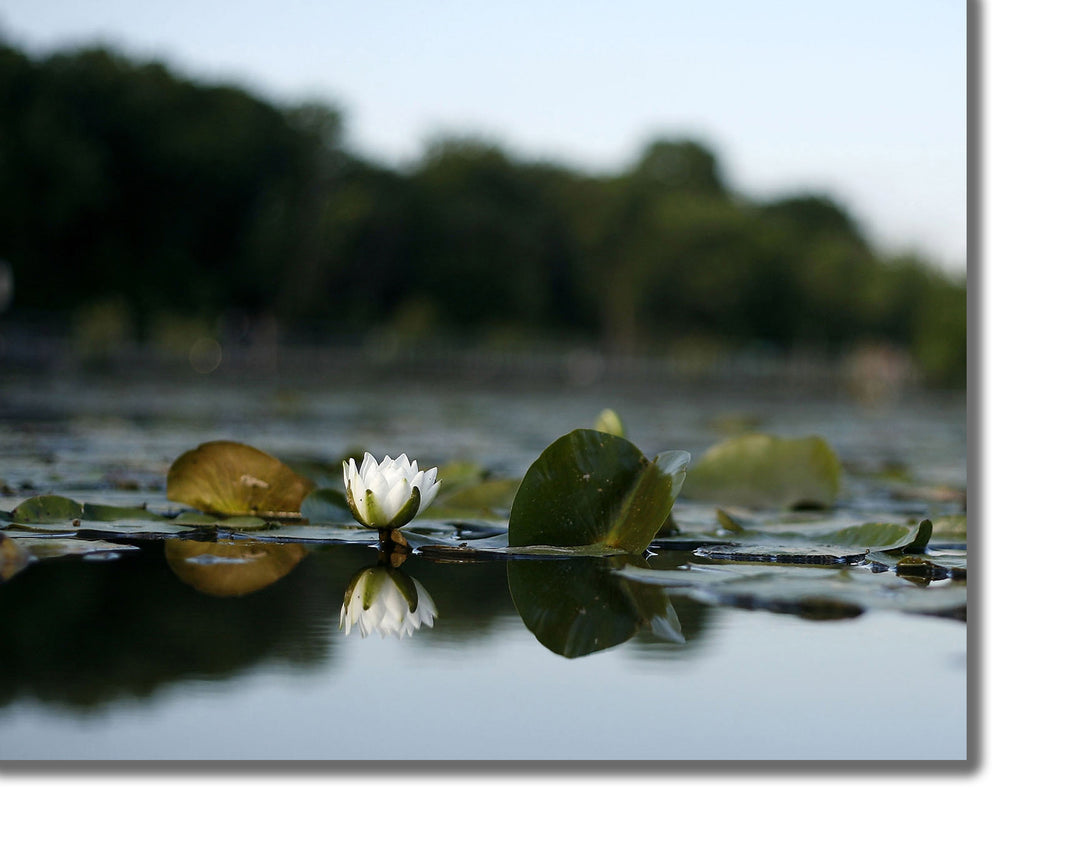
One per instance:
[(388, 601), (388, 494)]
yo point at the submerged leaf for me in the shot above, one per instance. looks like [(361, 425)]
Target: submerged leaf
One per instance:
[(592, 488), (233, 479), (762, 471)]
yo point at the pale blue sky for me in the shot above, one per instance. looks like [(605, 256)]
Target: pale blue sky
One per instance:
[(864, 100)]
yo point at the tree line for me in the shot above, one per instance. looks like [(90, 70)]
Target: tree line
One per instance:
[(122, 183)]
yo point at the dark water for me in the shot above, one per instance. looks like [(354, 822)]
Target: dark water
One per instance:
[(128, 657)]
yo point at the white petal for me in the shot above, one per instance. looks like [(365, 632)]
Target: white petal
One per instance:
[(427, 495), (396, 497)]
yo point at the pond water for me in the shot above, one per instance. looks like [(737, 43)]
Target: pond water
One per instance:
[(138, 654)]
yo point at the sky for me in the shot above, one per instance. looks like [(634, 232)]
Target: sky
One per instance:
[(865, 101)]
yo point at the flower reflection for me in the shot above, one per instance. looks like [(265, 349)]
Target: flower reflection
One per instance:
[(387, 601)]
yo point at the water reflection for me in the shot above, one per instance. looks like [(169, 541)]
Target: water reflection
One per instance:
[(84, 634), (384, 599), (233, 567), (578, 606)]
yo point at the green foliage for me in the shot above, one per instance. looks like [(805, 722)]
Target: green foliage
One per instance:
[(154, 195), (590, 488)]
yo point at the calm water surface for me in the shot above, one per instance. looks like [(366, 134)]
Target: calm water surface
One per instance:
[(125, 659)]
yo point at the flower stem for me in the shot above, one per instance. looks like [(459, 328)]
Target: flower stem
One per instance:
[(393, 547)]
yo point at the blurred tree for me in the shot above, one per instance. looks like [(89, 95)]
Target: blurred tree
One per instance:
[(680, 165), (488, 245), (126, 191)]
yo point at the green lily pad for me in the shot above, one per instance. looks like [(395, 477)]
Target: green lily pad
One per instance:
[(29, 549), (881, 536), (823, 549), (815, 593), (47, 509), (327, 507), (592, 488), (200, 520), (109, 513), (762, 471), (234, 479)]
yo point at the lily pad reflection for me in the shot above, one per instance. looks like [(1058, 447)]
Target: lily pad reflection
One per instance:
[(576, 607), (231, 568)]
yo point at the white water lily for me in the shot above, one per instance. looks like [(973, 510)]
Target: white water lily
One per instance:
[(388, 494), (386, 601)]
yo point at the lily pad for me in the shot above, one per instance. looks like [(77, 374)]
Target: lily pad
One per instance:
[(882, 536), (199, 520), (234, 479), (327, 507), (34, 548), (823, 549), (593, 488), (109, 513), (47, 509), (760, 471), (824, 593)]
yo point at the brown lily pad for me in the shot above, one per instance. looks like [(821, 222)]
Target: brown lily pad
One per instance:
[(234, 479)]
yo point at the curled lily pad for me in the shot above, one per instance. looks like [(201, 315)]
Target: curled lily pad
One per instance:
[(882, 536), (47, 509), (762, 471), (590, 488), (231, 568), (234, 479)]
